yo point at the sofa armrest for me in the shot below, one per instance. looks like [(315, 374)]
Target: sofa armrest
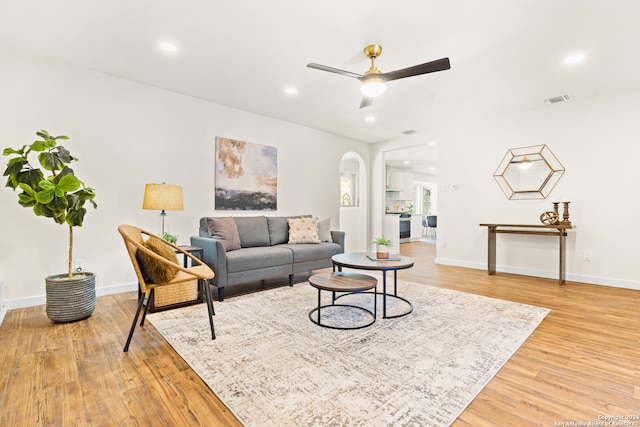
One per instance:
[(338, 237), (215, 256)]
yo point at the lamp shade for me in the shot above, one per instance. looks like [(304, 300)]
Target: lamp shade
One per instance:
[(162, 197), (372, 86)]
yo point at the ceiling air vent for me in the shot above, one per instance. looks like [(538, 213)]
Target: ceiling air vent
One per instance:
[(409, 132), (557, 99)]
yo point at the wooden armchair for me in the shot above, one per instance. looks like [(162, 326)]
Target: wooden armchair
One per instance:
[(133, 239)]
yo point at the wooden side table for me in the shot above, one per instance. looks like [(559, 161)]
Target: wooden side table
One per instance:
[(556, 230), (342, 282)]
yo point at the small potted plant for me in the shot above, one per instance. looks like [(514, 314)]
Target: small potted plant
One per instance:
[(53, 191), (171, 238), (382, 247)]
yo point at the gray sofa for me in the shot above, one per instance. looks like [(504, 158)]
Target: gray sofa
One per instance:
[(264, 251)]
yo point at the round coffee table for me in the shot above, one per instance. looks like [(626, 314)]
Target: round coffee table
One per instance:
[(342, 282), (368, 261)]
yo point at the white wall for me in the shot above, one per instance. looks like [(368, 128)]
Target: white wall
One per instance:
[(125, 135), (596, 139)]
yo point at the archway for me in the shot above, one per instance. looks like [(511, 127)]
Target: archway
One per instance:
[(354, 190)]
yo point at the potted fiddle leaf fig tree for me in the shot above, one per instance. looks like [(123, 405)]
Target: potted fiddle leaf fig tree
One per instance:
[(50, 189)]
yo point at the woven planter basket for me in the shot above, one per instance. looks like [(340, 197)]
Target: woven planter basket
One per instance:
[(69, 300)]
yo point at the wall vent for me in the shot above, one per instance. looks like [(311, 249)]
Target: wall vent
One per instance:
[(557, 99), (409, 132)]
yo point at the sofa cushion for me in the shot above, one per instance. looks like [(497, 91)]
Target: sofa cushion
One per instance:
[(278, 229), (157, 269), (324, 230), (258, 257), (225, 230), (253, 231), (303, 230), (313, 252)]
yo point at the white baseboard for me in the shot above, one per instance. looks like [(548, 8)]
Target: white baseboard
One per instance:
[(592, 280), (41, 299)]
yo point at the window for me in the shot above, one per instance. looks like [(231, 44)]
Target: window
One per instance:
[(426, 201)]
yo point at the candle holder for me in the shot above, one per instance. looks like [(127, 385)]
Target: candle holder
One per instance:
[(565, 214)]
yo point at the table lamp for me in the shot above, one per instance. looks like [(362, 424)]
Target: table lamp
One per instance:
[(162, 197)]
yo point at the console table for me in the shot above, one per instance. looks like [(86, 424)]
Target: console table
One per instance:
[(558, 230)]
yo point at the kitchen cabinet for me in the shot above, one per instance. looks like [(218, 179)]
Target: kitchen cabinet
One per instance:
[(403, 183)]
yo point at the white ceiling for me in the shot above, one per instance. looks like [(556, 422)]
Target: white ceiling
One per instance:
[(506, 55)]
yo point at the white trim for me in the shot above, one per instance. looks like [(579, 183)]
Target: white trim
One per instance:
[(592, 280), (41, 299)]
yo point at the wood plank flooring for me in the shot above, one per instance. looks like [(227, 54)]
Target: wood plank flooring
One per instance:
[(581, 364)]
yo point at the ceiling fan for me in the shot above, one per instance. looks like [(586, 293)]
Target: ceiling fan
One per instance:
[(374, 81)]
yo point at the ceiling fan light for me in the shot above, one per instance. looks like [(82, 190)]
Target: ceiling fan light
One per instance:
[(372, 88)]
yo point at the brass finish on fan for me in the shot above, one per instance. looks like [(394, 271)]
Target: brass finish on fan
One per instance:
[(374, 51)]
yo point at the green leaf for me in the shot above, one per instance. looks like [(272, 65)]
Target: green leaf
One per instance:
[(50, 161), (38, 146), (76, 217), (9, 151), (58, 204), (26, 200), (27, 189), (64, 155), (43, 134), (31, 177), (61, 137), (15, 165), (45, 184), (43, 210), (45, 197), (68, 184)]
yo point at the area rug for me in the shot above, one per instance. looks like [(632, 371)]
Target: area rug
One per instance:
[(272, 366)]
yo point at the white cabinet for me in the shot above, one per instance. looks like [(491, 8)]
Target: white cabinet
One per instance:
[(403, 182)]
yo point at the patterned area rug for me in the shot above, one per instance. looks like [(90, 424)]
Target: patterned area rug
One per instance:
[(273, 367)]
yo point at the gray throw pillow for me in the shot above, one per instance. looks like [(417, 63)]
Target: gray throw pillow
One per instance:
[(278, 229), (253, 231), (225, 230)]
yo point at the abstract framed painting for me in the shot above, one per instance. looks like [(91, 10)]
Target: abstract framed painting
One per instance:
[(246, 176)]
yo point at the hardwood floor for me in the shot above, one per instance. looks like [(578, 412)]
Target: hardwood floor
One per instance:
[(581, 364)]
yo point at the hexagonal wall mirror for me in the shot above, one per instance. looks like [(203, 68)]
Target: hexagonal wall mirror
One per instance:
[(528, 172)]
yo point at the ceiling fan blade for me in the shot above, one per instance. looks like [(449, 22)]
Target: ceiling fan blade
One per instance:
[(334, 70), (367, 101), (416, 70)]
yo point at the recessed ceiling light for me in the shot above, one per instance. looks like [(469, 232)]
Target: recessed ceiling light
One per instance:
[(574, 58), (370, 119), (168, 47), (406, 162), (291, 90)]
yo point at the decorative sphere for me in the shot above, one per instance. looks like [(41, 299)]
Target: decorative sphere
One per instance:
[(549, 218)]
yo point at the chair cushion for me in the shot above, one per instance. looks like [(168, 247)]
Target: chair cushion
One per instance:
[(225, 230), (253, 231), (160, 271), (303, 230)]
